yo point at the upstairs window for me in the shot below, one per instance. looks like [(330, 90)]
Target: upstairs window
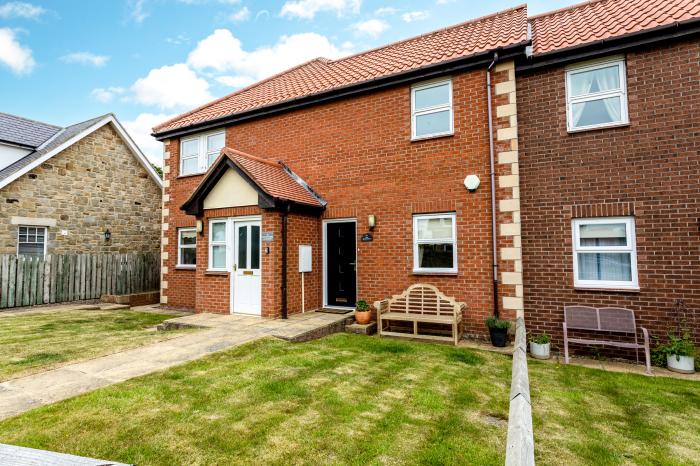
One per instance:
[(431, 109), (199, 152), (31, 241), (605, 254), (596, 95), (434, 243)]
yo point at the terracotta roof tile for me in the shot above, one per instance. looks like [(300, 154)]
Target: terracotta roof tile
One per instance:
[(602, 19), (502, 29), (271, 177)]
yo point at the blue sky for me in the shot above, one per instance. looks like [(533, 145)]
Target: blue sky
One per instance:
[(146, 60)]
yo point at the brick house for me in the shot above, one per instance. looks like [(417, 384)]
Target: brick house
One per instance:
[(360, 163), (61, 189), (610, 162)]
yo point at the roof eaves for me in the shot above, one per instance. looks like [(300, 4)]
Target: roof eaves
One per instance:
[(425, 72)]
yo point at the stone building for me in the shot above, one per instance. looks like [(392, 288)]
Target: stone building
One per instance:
[(86, 188)]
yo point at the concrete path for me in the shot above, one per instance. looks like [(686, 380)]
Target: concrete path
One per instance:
[(218, 333)]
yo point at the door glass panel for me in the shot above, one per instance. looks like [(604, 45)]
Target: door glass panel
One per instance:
[(255, 247), (243, 247)]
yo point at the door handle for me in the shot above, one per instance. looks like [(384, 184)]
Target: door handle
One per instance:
[(235, 267)]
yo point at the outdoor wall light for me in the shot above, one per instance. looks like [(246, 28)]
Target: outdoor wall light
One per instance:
[(108, 235), (200, 226), (371, 221)]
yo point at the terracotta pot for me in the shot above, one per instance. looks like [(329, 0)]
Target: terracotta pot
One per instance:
[(363, 317)]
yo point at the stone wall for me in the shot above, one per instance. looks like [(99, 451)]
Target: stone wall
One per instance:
[(94, 185)]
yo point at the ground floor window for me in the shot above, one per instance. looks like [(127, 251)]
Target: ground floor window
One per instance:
[(187, 247), (434, 243), (217, 245), (605, 253), (31, 241)]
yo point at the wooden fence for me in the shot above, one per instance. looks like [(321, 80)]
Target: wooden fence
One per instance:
[(26, 281)]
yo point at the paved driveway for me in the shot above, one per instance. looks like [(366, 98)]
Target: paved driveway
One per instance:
[(219, 332)]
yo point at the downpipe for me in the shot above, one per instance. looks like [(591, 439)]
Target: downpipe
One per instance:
[(494, 259)]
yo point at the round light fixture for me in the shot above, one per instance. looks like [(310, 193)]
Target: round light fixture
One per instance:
[(472, 182)]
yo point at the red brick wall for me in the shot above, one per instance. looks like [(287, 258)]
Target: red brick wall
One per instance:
[(650, 168), (358, 155)]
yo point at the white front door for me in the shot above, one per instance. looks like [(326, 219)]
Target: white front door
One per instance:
[(246, 281)]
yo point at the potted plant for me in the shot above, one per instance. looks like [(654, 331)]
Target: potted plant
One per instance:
[(498, 330), (539, 346), (362, 313), (679, 353)]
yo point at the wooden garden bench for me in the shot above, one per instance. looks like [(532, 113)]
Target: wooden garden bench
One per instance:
[(421, 303), (605, 319)]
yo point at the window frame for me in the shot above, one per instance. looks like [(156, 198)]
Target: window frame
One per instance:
[(180, 246), (212, 243), (203, 151), (630, 248), (434, 109), (416, 242), (621, 92), (37, 227)]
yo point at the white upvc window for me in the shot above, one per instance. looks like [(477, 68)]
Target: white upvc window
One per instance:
[(31, 241), (605, 253), (217, 245), (197, 153), (596, 95), (187, 247), (431, 109), (435, 243)]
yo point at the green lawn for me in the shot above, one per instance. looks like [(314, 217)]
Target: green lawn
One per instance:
[(349, 399), (35, 341)]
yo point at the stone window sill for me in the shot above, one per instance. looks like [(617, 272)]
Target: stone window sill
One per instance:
[(609, 290)]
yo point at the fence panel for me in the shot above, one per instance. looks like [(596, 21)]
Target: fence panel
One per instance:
[(27, 280)]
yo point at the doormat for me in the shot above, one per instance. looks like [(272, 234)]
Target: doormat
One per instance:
[(336, 311)]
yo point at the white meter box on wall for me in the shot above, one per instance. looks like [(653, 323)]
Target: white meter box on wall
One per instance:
[(304, 258)]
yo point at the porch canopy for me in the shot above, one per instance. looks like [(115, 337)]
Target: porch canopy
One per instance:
[(252, 181)]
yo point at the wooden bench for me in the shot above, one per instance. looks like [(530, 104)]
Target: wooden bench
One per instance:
[(421, 303), (605, 319)]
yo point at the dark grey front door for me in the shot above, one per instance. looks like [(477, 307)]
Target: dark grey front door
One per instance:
[(341, 257)]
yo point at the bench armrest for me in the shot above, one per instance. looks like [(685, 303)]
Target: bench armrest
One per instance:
[(381, 306)]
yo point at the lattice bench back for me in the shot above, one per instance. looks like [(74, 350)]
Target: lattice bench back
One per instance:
[(422, 299), (609, 319)]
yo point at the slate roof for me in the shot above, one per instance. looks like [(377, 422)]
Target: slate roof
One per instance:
[(25, 132), (602, 19), (273, 178), (61, 136), (506, 28)]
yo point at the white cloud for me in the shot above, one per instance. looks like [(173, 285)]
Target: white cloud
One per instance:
[(241, 15), (171, 86), (415, 16), (13, 54), (235, 81), (386, 11), (20, 10), (178, 40), (307, 9), (444, 2), (138, 13), (106, 94), (371, 27), (86, 58), (140, 130), (262, 13), (223, 52)]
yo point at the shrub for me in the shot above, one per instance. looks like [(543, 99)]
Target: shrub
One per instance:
[(495, 322), (362, 306), (677, 345), (541, 339)]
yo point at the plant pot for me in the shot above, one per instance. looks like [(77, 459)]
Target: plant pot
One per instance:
[(499, 337), (363, 317), (539, 350), (682, 364)]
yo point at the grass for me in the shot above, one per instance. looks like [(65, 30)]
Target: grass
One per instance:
[(349, 399), (38, 341)]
